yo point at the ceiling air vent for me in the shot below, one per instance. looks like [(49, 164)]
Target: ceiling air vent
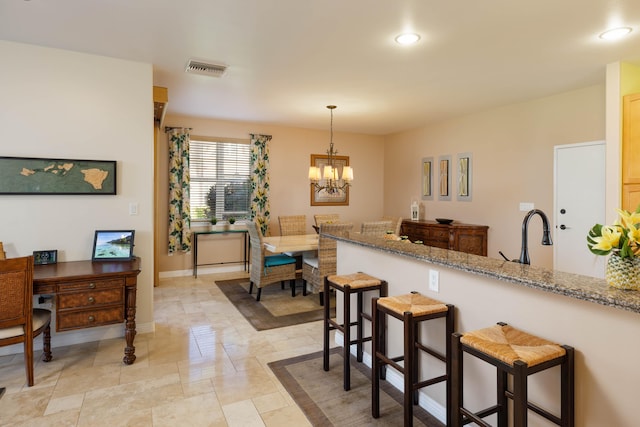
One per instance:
[(205, 68)]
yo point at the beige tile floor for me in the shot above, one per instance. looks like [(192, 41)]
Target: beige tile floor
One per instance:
[(203, 366)]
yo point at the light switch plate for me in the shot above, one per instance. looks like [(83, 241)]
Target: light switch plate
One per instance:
[(434, 282), (526, 206)]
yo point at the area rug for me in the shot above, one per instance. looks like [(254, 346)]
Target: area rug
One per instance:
[(325, 403), (276, 308)]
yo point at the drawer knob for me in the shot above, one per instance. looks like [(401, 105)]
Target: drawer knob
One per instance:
[(92, 285), (92, 319), (92, 300)]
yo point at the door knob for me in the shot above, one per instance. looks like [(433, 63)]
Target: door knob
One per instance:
[(563, 227)]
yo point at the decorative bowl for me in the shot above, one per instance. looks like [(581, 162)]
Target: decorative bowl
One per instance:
[(444, 220)]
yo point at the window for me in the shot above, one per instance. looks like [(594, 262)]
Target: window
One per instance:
[(220, 179)]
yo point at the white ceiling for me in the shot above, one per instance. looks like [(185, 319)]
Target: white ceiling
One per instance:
[(288, 59)]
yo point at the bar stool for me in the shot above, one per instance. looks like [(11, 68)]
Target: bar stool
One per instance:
[(411, 309), (517, 353), (349, 284)]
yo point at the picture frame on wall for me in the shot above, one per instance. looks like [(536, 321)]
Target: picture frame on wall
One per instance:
[(427, 178), (322, 198), (30, 175), (464, 167), (444, 178)]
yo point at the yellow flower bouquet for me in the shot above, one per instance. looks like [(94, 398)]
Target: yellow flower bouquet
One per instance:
[(622, 241)]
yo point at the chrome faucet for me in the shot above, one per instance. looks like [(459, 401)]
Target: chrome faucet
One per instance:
[(546, 234)]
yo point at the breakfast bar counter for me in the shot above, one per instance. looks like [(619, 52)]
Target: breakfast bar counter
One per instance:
[(601, 323)]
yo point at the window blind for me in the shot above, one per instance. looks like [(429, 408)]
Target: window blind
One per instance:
[(220, 179)]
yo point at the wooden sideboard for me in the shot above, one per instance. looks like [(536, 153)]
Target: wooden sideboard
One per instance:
[(456, 236), (92, 294)]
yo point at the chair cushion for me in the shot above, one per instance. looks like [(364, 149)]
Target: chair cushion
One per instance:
[(273, 260), (313, 262), (40, 318)]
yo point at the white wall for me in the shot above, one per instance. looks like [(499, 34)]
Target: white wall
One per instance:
[(63, 104)]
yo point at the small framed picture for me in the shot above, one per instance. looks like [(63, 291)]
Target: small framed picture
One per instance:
[(113, 245), (427, 178), (45, 257), (444, 172), (465, 173)]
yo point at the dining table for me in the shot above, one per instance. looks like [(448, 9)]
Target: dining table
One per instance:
[(293, 243)]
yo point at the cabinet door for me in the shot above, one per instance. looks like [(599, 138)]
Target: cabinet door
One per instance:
[(630, 197), (415, 231), (472, 241), (631, 140)]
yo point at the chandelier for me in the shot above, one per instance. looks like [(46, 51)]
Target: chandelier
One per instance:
[(329, 178)]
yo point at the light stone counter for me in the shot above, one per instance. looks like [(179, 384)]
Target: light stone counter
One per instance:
[(572, 285)]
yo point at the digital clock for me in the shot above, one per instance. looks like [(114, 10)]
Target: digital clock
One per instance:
[(45, 257)]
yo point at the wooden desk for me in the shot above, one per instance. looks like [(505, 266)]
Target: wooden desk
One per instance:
[(195, 235), (90, 294), (297, 243)]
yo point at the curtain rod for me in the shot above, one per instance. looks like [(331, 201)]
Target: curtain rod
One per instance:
[(170, 128)]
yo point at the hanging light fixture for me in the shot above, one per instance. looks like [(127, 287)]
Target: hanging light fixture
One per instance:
[(328, 179)]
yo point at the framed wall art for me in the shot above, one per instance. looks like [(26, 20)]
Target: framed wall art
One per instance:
[(427, 178), (464, 177), (28, 175), (444, 177), (322, 197)]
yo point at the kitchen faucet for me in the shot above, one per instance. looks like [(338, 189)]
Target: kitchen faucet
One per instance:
[(546, 234)]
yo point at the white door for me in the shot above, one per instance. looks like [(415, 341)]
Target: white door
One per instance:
[(579, 174)]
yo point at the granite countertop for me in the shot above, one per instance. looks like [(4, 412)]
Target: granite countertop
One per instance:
[(585, 288)]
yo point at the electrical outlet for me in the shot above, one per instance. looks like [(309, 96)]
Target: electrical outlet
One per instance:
[(434, 282), (526, 206)]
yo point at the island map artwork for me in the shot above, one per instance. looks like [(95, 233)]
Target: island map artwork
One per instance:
[(22, 175)]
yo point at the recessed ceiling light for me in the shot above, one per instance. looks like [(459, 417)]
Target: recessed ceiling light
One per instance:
[(615, 33), (407, 38)]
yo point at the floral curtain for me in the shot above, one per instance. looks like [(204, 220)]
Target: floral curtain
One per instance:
[(179, 206), (260, 181)]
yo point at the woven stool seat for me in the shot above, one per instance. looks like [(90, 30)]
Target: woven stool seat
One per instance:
[(509, 344), (355, 280), (415, 303)]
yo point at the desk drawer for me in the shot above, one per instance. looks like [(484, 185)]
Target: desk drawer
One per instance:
[(90, 285), (91, 298), (75, 319)]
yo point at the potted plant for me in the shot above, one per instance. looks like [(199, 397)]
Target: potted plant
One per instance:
[(622, 242), (213, 220), (232, 221)]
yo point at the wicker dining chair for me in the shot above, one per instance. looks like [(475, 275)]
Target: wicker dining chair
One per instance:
[(265, 270), (322, 218), (19, 321), (376, 228), (292, 225), (397, 223), (315, 269)]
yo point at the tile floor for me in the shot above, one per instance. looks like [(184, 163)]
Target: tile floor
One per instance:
[(203, 366)]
